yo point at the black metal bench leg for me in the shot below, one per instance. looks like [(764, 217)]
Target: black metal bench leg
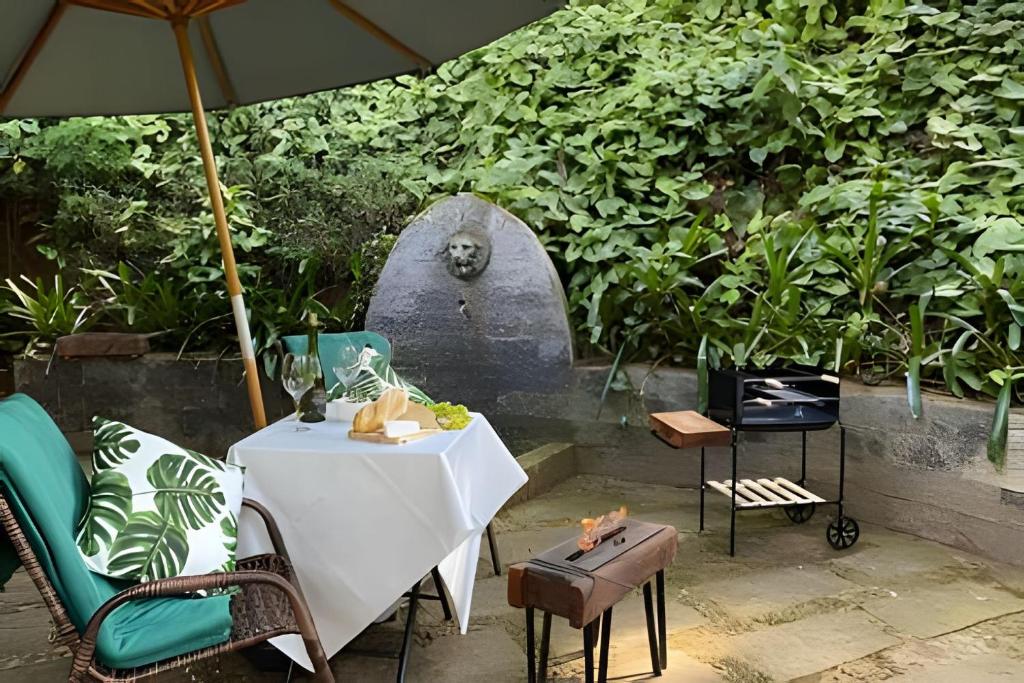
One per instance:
[(588, 652), (410, 621), (652, 633), (606, 636), (662, 636), (442, 596), (492, 542), (531, 662), (732, 514), (545, 646), (702, 486)]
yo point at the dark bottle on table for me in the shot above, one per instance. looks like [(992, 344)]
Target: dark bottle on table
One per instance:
[(314, 402)]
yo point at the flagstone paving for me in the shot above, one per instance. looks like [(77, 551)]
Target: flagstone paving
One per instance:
[(787, 608)]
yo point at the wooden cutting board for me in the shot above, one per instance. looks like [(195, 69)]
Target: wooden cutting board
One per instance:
[(689, 429), (378, 437)]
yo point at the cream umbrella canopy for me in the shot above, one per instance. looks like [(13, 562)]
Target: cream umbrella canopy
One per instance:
[(63, 58)]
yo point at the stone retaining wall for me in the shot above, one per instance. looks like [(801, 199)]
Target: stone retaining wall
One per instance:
[(928, 476), (199, 403)]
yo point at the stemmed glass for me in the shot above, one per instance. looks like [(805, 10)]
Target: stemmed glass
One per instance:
[(298, 374), (347, 364)]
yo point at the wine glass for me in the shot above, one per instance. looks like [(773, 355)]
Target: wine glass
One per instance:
[(347, 364), (298, 375)]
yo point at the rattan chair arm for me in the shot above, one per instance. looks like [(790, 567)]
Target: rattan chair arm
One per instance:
[(183, 585), (272, 529)]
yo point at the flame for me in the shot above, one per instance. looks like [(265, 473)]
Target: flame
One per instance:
[(594, 529)]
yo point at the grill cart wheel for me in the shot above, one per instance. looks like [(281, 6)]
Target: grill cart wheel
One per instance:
[(842, 533), (798, 514)]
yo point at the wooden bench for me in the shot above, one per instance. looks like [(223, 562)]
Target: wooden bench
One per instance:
[(583, 588)]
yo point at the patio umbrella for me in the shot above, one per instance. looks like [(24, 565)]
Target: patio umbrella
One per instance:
[(106, 57)]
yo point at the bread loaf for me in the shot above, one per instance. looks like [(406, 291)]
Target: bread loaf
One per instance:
[(391, 405)]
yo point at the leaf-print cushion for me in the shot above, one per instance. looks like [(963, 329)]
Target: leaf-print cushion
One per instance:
[(157, 510), (375, 377)]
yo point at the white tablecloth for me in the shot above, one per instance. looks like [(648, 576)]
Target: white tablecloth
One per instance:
[(362, 522)]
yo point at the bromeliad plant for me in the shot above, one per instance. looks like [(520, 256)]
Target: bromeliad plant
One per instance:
[(46, 312)]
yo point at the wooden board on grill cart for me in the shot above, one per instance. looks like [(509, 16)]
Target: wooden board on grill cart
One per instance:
[(378, 437), (765, 493), (689, 429)]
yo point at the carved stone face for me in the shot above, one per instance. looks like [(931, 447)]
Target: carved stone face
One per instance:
[(468, 252)]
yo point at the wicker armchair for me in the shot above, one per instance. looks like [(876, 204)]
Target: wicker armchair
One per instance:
[(268, 604)]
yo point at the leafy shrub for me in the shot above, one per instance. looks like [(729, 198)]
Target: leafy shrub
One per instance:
[(820, 181), (785, 179)]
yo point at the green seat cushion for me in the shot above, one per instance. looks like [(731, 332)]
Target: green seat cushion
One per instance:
[(48, 492), (148, 631), (330, 343)]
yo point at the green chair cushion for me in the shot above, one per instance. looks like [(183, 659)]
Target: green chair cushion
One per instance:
[(148, 631), (48, 491), (330, 343)]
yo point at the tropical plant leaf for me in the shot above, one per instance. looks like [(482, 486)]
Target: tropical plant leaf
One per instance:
[(702, 376), (112, 444), (914, 363), (608, 381), (110, 503), (1000, 426), (188, 492), (375, 377), (914, 386), (149, 547)]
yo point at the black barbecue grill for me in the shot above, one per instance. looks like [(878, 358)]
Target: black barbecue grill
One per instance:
[(786, 399), (793, 399)]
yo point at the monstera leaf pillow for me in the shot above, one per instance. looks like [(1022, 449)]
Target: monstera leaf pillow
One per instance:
[(375, 377), (157, 510)]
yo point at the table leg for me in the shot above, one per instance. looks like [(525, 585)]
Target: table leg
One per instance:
[(545, 645), (410, 621), (662, 634), (606, 636), (588, 652), (531, 662), (492, 542), (652, 633), (442, 596)]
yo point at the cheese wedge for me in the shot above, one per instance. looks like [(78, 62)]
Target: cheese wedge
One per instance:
[(395, 428)]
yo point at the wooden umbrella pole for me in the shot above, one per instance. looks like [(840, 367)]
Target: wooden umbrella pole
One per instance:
[(252, 378)]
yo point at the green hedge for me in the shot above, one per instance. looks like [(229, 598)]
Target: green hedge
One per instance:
[(789, 181), (825, 182)]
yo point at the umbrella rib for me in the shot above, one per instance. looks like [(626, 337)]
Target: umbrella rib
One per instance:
[(138, 8), (29, 57), (380, 34), (227, 89)]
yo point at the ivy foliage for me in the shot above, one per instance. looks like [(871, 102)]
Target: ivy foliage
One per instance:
[(789, 178), (829, 182)]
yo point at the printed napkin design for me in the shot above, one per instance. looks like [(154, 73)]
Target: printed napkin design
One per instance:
[(157, 510), (375, 377)]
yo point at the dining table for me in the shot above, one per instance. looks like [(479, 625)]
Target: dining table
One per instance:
[(362, 522)]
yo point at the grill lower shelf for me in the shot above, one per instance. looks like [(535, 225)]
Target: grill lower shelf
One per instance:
[(766, 493)]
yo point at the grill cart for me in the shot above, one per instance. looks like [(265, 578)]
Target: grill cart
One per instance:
[(788, 399)]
